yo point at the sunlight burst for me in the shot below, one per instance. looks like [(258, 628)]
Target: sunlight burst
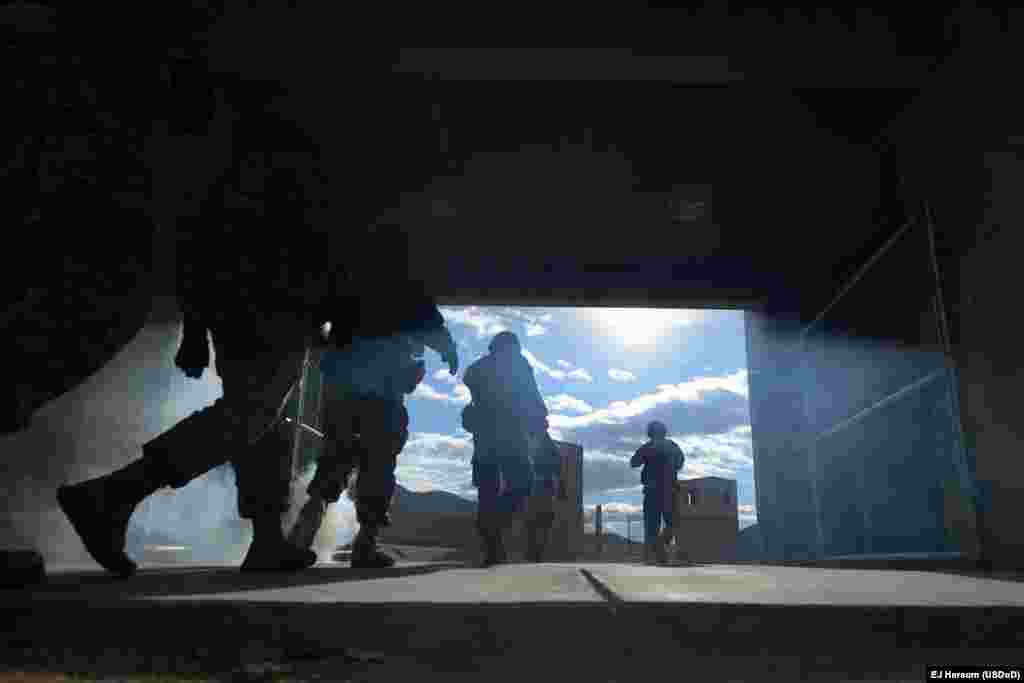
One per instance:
[(640, 326)]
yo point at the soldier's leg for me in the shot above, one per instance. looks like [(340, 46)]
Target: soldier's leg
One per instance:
[(340, 454), (652, 520), (332, 469), (487, 479), (665, 536), (265, 469), (263, 474), (541, 511), (517, 474), (540, 520), (264, 478), (517, 481), (540, 516), (384, 431)]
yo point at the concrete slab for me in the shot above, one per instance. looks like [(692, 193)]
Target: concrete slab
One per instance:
[(406, 582), (446, 612), (511, 584), (800, 586)]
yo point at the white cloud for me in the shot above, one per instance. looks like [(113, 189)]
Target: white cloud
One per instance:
[(436, 462), (611, 510), (728, 449), (581, 375), (536, 364), (490, 321), (484, 322), (443, 375), (425, 391), (695, 391), (621, 375), (565, 402), (459, 395), (516, 313), (564, 363)]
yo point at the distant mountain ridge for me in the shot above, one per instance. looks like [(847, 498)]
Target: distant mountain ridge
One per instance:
[(434, 502)]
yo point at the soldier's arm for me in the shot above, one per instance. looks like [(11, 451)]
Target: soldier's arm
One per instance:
[(440, 340), (638, 458), (680, 458)]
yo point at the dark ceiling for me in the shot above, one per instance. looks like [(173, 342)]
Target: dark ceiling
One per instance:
[(598, 175), (641, 190), (555, 175)]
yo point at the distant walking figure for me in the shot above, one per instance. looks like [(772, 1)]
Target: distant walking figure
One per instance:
[(661, 460)]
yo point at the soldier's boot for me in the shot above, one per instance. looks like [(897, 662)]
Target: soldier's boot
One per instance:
[(494, 549), (533, 546), (490, 535), (372, 515), (661, 546), (503, 521), (99, 509), (490, 547), (538, 533), (650, 552), (500, 553), (365, 554), (270, 551)]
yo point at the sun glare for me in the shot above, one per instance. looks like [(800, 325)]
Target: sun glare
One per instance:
[(639, 326)]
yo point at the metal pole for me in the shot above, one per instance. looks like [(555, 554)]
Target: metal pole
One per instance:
[(848, 285), (299, 407), (967, 474), (312, 430)]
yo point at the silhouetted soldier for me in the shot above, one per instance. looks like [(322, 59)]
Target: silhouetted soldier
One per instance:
[(365, 419), (507, 417), (661, 459), (250, 277)]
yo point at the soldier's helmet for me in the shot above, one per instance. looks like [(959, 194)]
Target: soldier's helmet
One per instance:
[(656, 430), (504, 340)]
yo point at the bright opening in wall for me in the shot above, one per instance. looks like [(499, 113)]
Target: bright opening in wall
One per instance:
[(603, 373)]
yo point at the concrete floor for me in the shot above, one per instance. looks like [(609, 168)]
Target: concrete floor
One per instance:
[(455, 583), (601, 617)]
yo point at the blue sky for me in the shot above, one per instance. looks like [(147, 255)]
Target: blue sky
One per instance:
[(604, 374)]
